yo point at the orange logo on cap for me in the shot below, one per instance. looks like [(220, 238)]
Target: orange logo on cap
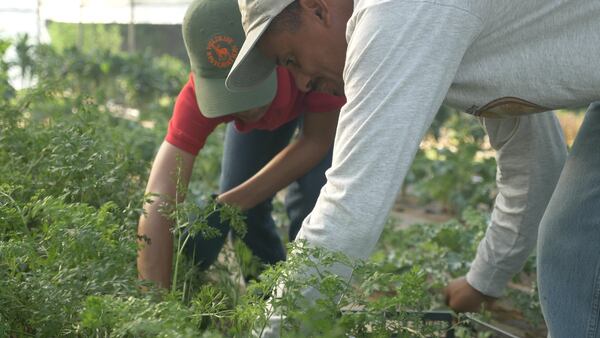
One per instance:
[(221, 51)]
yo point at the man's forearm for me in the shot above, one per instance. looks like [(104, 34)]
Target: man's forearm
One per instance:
[(298, 158), (291, 163), (171, 169), (156, 254)]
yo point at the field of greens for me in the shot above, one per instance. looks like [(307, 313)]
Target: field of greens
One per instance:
[(75, 153)]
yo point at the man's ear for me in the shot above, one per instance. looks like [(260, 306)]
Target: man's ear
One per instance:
[(317, 9)]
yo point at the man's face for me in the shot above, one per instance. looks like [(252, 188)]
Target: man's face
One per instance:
[(314, 52)]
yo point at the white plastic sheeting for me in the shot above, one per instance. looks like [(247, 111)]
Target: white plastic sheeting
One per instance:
[(21, 16), (115, 11), (29, 16)]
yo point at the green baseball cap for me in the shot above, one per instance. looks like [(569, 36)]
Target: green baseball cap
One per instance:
[(251, 69), (213, 34)]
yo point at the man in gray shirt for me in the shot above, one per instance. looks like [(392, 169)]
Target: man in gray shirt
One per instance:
[(397, 61)]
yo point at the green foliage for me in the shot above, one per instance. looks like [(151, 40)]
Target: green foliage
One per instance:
[(72, 173), (137, 317), (7, 92), (444, 251), (155, 39), (61, 253), (69, 205), (191, 219), (318, 302), (24, 60), (96, 37), (119, 81), (528, 304), (115, 81), (72, 186), (86, 156), (453, 174)]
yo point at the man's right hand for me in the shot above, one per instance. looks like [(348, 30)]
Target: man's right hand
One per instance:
[(462, 297)]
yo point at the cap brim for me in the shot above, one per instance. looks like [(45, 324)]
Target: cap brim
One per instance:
[(251, 67), (214, 100)]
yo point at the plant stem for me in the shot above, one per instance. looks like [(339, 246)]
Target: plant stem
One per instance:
[(24, 221)]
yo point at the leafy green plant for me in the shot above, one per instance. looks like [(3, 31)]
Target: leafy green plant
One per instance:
[(455, 174), (191, 220), (126, 317), (82, 157), (354, 307), (62, 253), (72, 174), (116, 81), (7, 92), (96, 37), (69, 202), (444, 252), (24, 60)]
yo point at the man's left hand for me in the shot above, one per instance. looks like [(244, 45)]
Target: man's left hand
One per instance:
[(462, 297)]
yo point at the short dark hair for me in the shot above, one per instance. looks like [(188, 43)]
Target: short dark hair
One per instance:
[(288, 20)]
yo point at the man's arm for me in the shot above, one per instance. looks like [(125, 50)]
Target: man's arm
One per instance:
[(155, 257), (530, 154), (291, 163), (401, 59), (397, 74)]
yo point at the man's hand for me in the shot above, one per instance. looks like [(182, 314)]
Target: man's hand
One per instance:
[(295, 160), (462, 297)]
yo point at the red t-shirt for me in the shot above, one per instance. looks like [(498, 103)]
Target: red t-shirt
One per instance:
[(188, 128)]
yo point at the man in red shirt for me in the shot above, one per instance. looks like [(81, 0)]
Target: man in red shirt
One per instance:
[(258, 161)]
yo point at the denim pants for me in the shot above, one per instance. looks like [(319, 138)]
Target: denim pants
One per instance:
[(569, 240), (244, 154)]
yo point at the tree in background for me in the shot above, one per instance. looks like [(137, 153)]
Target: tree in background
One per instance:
[(24, 57)]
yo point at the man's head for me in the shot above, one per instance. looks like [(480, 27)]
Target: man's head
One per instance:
[(213, 35), (305, 36)]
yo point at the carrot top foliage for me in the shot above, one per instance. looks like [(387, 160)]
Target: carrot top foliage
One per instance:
[(72, 178)]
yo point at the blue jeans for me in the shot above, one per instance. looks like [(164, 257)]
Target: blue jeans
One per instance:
[(244, 154), (569, 240)]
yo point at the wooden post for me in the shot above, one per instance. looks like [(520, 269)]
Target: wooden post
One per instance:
[(131, 28), (80, 26), (39, 21)]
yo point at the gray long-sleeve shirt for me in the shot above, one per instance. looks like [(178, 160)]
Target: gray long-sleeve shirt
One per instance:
[(487, 57), (530, 153)]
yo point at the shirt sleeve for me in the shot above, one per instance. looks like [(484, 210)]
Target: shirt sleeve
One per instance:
[(316, 102), (188, 128), (530, 152), (401, 59)]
